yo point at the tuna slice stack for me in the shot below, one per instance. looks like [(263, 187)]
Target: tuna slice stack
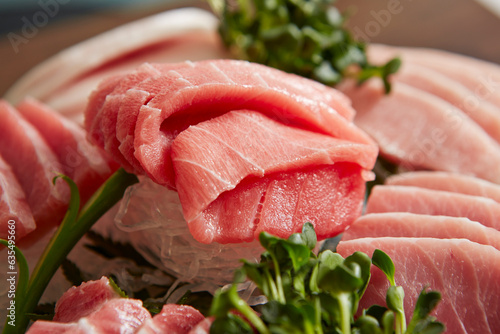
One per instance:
[(248, 148), (99, 307), (37, 143)]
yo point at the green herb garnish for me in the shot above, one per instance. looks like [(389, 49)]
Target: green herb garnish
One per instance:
[(317, 294), (305, 37), (74, 225)]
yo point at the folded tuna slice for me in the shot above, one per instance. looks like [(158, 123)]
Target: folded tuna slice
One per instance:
[(282, 191), (15, 213), (34, 164), (453, 182), (434, 202), (97, 307), (86, 164), (421, 131), (464, 272), (179, 124), (411, 225)]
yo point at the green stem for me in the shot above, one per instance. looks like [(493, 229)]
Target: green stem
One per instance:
[(345, 313), (279, 284), (67, 235), (249, 313)]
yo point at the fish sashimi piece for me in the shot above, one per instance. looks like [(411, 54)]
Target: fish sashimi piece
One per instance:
[(330, 197), (220, 86), (120, 315), (434, 202), (484, 113), (34, 164), (214, 156), (81, 301), (453, 182), (86, 164), (411, 225), (464, 272), (203, 327), (15, 213), (482, 78), (421, 131), (173, 319)]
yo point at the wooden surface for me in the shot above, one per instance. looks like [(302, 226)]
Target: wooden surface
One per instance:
[(461, 26)]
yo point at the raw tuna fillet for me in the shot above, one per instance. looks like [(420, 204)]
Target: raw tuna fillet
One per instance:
[(329, 196), (173, 319), (81, 301), (457, 183), (403, 224), (14, 210), (421, 131), (434, 202), (214, 156), (484, 113), (120, 316), (94, 307), (480, 77), (207, 89), (203, 327), (84, 163), (464, 272), (34, 164)]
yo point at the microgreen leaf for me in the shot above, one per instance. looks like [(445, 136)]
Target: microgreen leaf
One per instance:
[(421, 321), (384, 263)]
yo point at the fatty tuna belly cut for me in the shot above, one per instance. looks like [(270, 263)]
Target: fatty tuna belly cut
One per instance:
[(87, 165), (403, 224), (464, 272), (208, 89), (34, 164), (15, 214), (421, 131), (453, 182), (285, 169), (434, 202)]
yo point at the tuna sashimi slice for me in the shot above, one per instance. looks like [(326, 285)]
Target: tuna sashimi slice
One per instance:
[(484, 113), (173, 319), (216, 87), (453, 182), (87, 165), (422, 131), (34, 164), (482, 78), (120, 316), (81, 301), (403, 224), (214, 156), (464, 272), (434, 202), (328, 196), (15, 213)]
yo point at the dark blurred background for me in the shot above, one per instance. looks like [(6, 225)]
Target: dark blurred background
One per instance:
[(462, 26)]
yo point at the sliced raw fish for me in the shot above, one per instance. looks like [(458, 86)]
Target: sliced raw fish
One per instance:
[(81, 301), (464, 272), (434, 202), (328, 196), (448, 182), (173, 319), (484, 113), (482, 78), (216, 87), (34, 164), (15, 213), (86, 164), (403, 224), (421, 131), (214, 156)]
